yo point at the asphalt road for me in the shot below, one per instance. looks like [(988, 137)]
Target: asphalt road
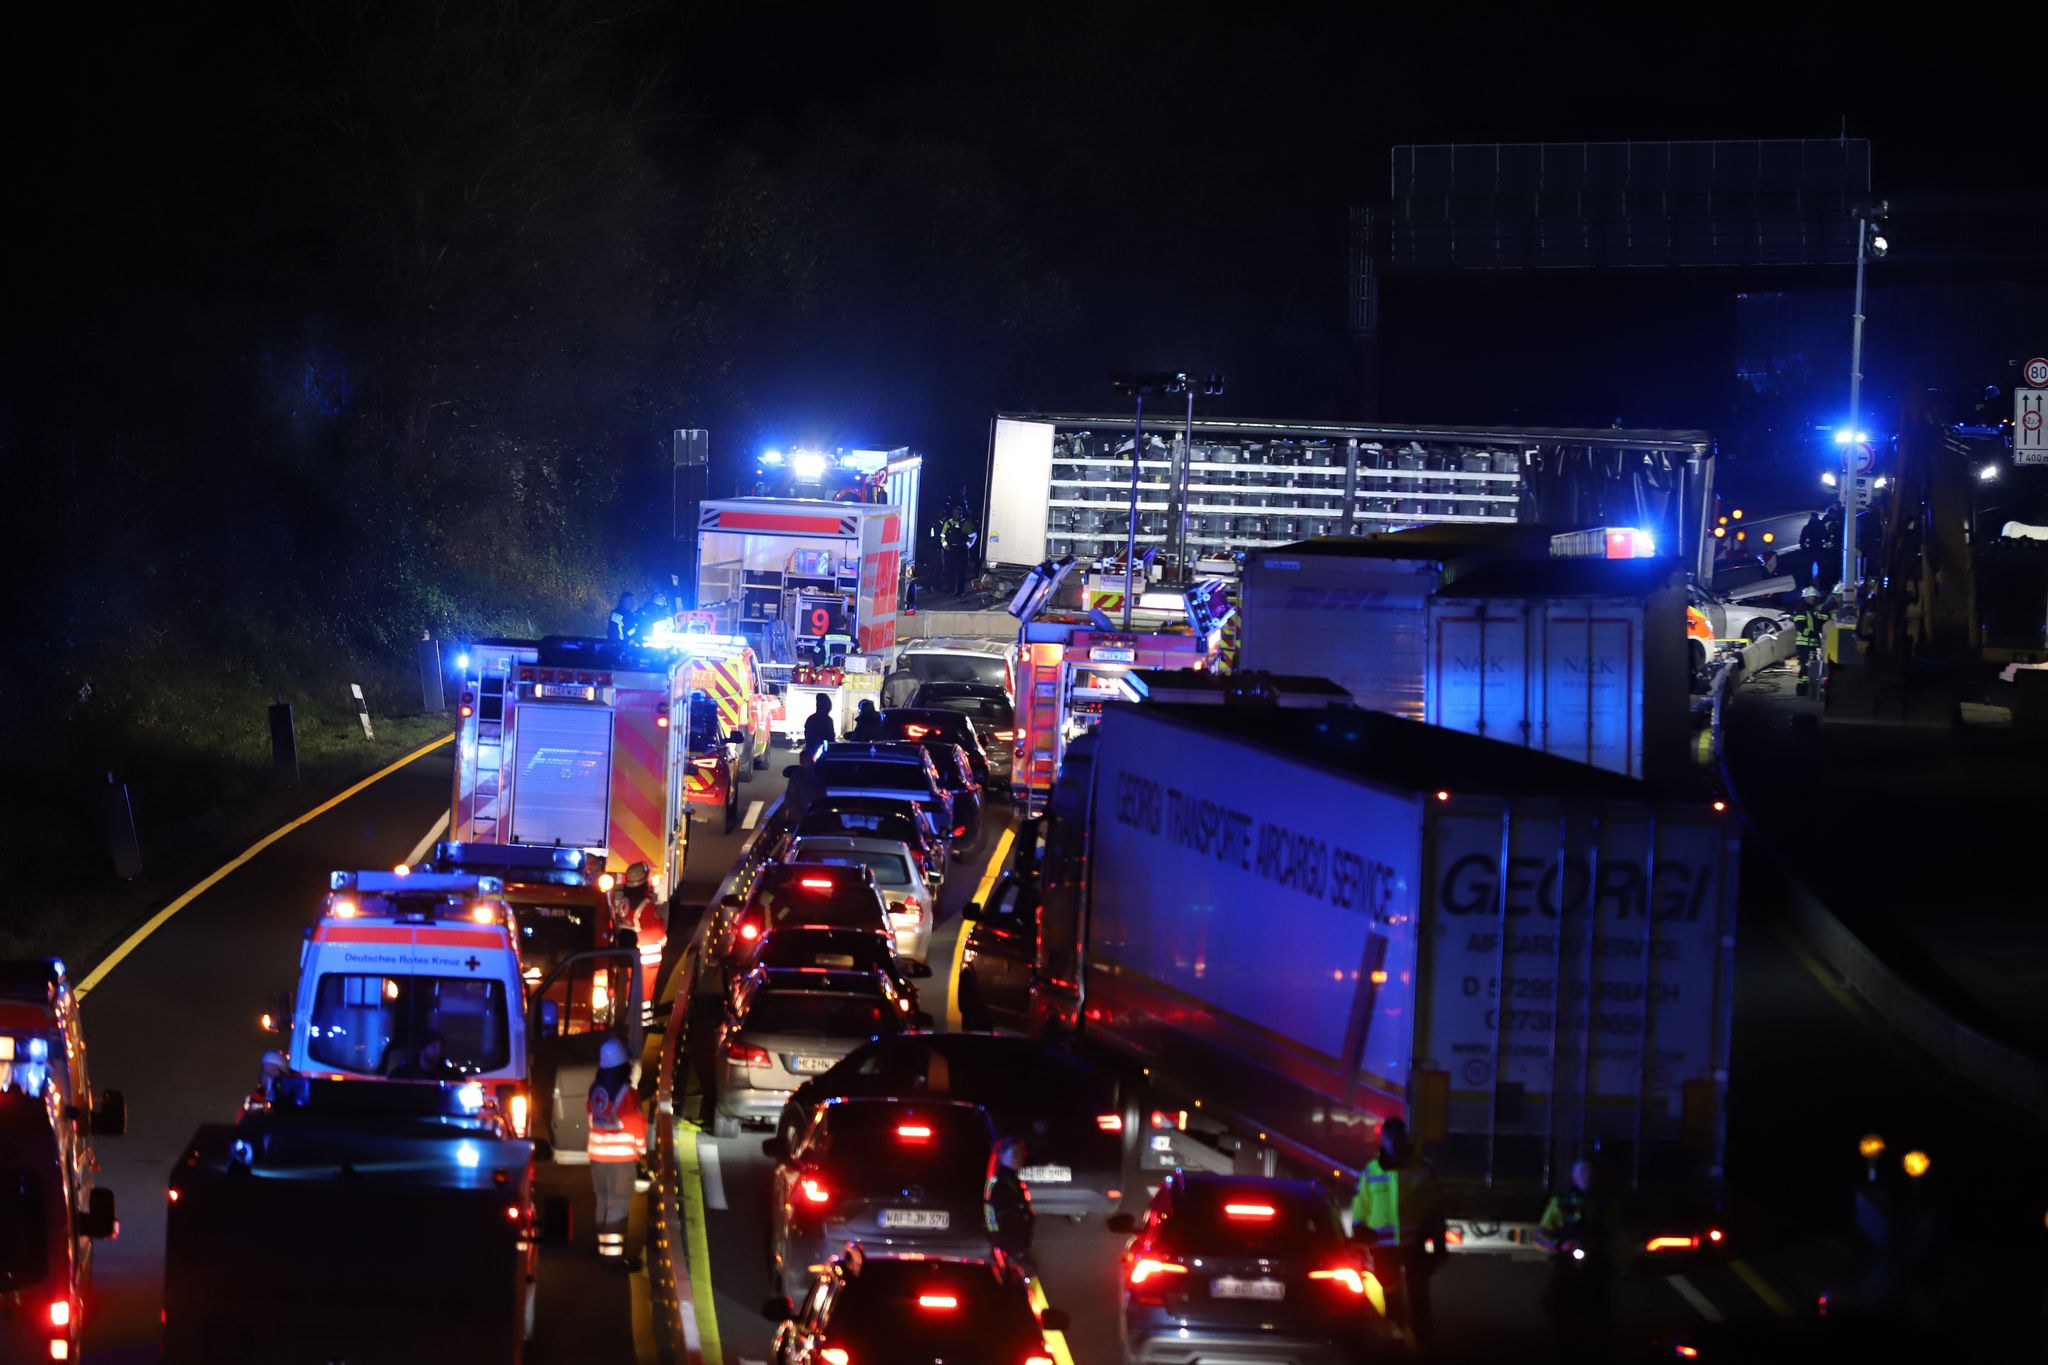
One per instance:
[(1812, 1072), (174, 1026)]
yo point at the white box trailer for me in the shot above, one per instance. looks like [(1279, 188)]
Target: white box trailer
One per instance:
[(1307, 920)]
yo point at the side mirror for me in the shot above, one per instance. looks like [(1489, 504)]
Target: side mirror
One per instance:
[(970, 913), (111, 1118), (555, 1221), (778, 1309), (912, 968), (1054, 1320), (550, 1019), (98, 1221), (1121, 1222), (918, 1019)]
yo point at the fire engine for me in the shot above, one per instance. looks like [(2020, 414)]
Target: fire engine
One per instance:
[(731, 725), (579, 744), (813, 586), (1072, 658), (53, 1211)]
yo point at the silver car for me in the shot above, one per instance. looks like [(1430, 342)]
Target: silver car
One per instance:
[(912, 903), (784, 1025)]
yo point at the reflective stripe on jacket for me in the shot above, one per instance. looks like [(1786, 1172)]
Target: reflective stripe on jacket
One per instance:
[(618, 1130)]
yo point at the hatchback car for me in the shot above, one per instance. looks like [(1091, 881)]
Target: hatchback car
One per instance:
[(789, 894), (921, 724), (874, 1307), (880, 818), (905, 1176), (913, 905), (1066, 1114), (884, 768), (991, 711), (787, 1023), (1246, 1268), (837, 950)]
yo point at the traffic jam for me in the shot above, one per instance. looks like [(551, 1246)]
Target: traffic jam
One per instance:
[(1082, 990)]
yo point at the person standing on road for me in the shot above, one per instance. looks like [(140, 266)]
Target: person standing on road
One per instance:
[(899, 687), (618, 1143), (634, 910), (1010, 1219), (1810, 621), (818, 728), (1398, 1208), (1576, 1231), (867, 722)]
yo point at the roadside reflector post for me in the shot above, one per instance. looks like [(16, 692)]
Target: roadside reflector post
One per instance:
[(121, 839), (431, 697), (284, 743), (362, 709)]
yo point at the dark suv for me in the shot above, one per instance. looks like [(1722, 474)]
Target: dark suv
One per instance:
[(873, 1307), (990, 710)]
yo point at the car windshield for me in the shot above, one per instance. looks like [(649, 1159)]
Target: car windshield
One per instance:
[(833, 1014), (374, 1025), (1254, 1218), (964, 668), (890, 869), (24, 1230), (985, 710)]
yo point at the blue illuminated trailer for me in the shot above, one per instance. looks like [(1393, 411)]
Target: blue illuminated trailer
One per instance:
[(1306, 920)]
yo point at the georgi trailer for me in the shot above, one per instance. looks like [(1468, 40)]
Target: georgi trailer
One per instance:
[(1307, 920)]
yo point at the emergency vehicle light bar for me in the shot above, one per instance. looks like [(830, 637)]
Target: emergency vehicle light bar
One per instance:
[(417, 883), (524, 857)]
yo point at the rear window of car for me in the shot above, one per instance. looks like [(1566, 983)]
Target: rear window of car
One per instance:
[(881, 824), (838, 951), (845, 902), (986, 669), (865, 1150), (1223, 1217), (987, 710), (882, 1306), (904, 777), (833, 1014), (24, 1230), (890, 869)]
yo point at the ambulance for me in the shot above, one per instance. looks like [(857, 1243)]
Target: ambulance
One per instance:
[(51, 1211), (579, 744), (1071, 660), (417, 977)]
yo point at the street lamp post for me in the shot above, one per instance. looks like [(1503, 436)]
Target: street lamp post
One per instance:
[(1870, 242)]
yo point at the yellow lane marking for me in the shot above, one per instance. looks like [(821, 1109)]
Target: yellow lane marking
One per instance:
[(1056, 1342), (988, 881), (1761, 1288), (697, 1240), (162, 917), (419, 850)]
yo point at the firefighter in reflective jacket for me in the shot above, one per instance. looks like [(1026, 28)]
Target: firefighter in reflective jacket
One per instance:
[(635, 910), (618, 1141), (1811, 623), (1399, 1212)]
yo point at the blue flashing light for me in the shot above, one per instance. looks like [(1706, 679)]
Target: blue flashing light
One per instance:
[(462, 662), (771, 457), (809, 465), (468, 1155), (470, 1096), (38, 1050), (1844, 436)]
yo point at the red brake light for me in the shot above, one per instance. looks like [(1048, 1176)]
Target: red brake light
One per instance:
[(814, 1190), (744, 1054), (1685, 1352), (511, 1213), (939, 1301), (1672, 1244), (815, 883), (917, 731), (913, 1132), (1248, 1210), (60, 1312), (1713, 1234), (1110, 1123), (1147, 1268), (749, 931), (959, 830), (1346, 1275), (835, 1355)]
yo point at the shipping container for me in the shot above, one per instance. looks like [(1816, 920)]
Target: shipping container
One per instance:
[(1302, 921), (1584, 659)]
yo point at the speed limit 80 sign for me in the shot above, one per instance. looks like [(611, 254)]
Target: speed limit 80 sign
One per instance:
[(2036, 372)]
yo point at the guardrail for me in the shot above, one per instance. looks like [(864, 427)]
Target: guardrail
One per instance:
[(2000, 1071)]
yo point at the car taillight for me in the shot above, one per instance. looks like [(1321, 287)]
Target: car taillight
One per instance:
[(913, 1132), (1110, 1123), (60, 1312), (749, 931), (1170, 1118), (937, 1302), (814, 1190), (835, 1355), (1672, 1244), (745, 1054), (1147, 1269), (60, 1349), (815, 883), (519, 1113), (1037, 1360), (959, 830), (1348, 1276), (1257, 1212)]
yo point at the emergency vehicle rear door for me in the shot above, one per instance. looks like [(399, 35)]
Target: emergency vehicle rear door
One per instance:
[(585, 1000), (561, 792)]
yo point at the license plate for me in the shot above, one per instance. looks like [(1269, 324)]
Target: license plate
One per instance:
[(1114, 656), (937, 1219), (811, 1066), (1162, 1142), (1047, 1175), (1265, 1291)]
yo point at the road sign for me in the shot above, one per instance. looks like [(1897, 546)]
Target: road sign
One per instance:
[(2036, 372), (1861, 458), (2030, 425)]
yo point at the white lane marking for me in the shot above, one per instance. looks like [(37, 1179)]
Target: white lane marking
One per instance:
[(753, 815), (419, 850), (713, 1178), (1701, 1304)]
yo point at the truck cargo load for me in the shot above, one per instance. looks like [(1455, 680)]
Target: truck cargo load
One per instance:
[(1308, 920)]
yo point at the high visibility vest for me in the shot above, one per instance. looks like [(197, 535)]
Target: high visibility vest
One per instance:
[(618, 1130), (1394, 1202), (1812, 626)]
